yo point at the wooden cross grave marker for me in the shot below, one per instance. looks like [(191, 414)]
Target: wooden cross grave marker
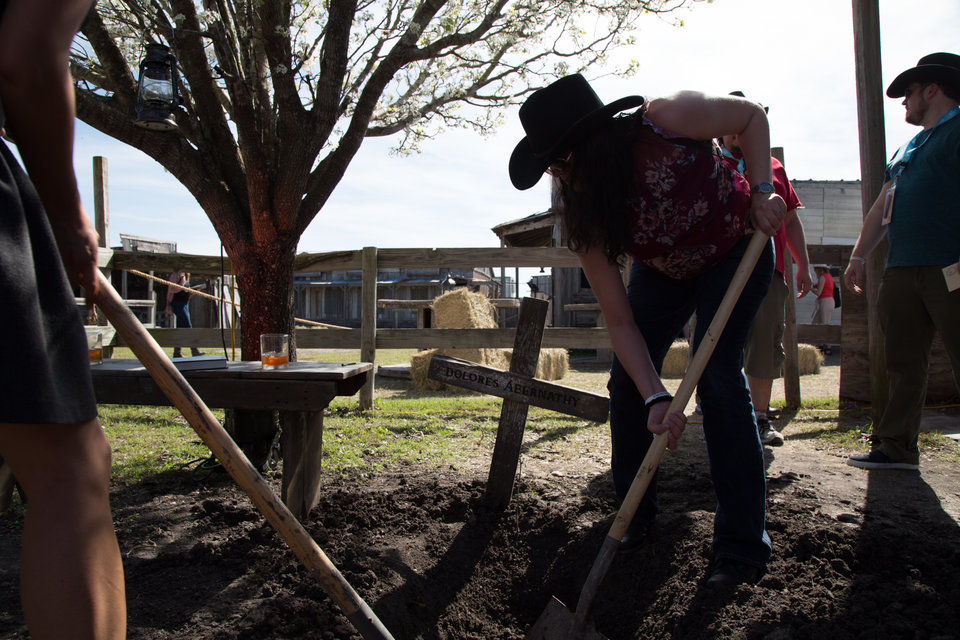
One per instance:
[(519, 389)]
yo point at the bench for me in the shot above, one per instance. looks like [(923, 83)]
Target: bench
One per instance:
[(300, 392)]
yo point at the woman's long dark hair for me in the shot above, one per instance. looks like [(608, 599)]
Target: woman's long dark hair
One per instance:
[(592, 202)]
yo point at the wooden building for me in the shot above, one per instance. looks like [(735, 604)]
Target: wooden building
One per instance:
[(334, 297)]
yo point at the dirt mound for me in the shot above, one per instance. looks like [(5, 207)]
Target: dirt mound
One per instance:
[(856, 555)]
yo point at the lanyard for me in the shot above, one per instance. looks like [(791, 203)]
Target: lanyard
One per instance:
[(741, 166), (903, 155)]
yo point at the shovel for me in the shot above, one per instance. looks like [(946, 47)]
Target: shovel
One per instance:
[(557, 622), (182, 395)]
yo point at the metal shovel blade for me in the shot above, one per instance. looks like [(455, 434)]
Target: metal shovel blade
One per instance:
[(559, 623)]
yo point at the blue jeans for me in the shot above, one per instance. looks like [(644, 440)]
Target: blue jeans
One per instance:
[(181, 311), (661, 306)]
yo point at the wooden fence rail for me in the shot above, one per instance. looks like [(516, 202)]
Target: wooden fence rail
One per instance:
[(369, 338)]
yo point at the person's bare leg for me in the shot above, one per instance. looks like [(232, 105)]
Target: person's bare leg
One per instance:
[(71, 572), (760, 391)]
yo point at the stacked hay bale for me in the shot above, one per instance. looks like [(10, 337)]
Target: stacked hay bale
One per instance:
[(675, 364), (463, 309)]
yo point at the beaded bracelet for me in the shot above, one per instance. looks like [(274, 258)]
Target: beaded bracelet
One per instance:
[(660, 396)]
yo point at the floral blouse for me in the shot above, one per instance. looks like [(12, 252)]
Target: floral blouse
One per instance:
[(690, 207)]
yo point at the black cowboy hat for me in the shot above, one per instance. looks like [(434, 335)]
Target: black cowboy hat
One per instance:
[(739, 94), (554, 118), (936, 67)]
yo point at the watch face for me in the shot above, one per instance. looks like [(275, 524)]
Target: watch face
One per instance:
[(764, 187)]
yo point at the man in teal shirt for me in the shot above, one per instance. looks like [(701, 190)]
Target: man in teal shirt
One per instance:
[(919, 210)]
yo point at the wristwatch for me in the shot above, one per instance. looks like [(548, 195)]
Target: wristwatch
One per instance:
[(763, 187)]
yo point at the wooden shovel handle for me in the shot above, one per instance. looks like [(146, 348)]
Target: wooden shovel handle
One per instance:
[(182, 395), (652, 459)]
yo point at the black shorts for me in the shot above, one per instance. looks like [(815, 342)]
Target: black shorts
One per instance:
[(44, 367)]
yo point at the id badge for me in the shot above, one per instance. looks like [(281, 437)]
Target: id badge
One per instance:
[(888, 204), (951, 274)]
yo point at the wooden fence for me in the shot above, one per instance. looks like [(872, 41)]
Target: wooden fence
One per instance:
[(368, 338)]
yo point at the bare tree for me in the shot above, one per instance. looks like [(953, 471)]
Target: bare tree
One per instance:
[(278, 96)]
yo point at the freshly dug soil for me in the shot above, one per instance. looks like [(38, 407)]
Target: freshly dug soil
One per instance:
[(856, 554)]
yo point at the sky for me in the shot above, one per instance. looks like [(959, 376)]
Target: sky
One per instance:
[(795, 56)]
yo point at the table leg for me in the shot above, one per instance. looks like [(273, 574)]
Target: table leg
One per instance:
[(301, 442)]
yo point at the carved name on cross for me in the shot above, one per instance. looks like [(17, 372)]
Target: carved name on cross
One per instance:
[(519, 389)]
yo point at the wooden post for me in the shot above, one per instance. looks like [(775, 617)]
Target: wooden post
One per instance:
[(101, 203), (866, 38), (368, 321), (791, 360), (519, 389), (513, 414)]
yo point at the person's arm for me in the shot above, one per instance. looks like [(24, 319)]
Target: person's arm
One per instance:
[(37, 94), (818, 286), (628, 342), (870, 236), (175, 279), (797, 244), (702, 117)]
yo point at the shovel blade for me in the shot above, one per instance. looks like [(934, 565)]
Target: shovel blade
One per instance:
[(559, 623)]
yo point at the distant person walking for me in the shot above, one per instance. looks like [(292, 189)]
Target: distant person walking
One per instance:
[(71, 575), (823, 289), (920, 292), (178, 303)]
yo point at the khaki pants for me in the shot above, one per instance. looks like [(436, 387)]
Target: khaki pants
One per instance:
[(914, 304)]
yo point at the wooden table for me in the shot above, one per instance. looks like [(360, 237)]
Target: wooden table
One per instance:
[(300, 392)]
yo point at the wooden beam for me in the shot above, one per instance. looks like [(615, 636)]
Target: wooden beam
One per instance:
[(368, 321), (101, 201), (866, 40), (513, 413)]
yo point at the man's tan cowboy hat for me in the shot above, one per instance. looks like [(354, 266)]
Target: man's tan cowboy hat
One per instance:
[(936, 67), (554, 118)]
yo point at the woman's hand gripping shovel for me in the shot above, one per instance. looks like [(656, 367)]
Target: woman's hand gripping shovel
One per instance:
[(182, 395), (559, 623)]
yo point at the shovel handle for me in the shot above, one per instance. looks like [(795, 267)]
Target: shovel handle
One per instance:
[(652, 459), (182, 395)]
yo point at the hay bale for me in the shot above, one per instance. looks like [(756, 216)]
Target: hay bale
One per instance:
[(419, 367), (458, 309), (809, 359), (463, 309), (554, 363), (675, 364), (677, 360)]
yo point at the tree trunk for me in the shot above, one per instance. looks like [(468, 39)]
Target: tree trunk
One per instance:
[(265, 279)]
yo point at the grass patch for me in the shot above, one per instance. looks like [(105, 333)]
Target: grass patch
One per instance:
[(848, 428), (445, 429), (149, 441), (432, 431)]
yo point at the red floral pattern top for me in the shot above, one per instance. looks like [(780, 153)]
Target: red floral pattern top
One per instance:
[(691, 208)]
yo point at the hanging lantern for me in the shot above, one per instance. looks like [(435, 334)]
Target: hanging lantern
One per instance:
[(157, 94)]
